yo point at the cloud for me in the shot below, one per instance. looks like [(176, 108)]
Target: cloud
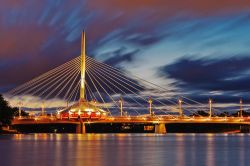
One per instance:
[(37, 36), (145, 40), (210, 74), (34, 102), (119, 56), (167, 7)]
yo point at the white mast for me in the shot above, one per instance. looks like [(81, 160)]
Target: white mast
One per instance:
[(83, 63)]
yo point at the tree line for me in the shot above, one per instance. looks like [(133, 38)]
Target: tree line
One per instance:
[(7, 112)]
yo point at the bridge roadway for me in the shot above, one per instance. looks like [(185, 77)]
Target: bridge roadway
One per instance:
[(133, 119), (160, 123)]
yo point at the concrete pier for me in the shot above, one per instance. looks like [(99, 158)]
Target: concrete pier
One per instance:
[(80, 128), (160, 128), (245, 128)]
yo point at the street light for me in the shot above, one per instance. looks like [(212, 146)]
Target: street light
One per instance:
[(121, 105), (241, 110), (43, 108), (210, 107), (20, 110), (150, 101), (180, 107)]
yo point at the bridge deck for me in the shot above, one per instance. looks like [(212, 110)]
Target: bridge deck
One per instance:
[(156, 120)]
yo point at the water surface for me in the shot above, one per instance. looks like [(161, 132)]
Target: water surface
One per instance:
[(124, 149)]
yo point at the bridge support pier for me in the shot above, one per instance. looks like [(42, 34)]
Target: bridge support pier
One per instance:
[(245, 128), (80, 128), (160, 128)]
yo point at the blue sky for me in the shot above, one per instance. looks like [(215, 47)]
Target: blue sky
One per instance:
[(200, 49)]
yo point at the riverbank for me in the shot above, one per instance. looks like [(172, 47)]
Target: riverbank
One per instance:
[(7, 130)]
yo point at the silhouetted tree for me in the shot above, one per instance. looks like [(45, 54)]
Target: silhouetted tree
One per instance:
[(223, 114), (200, 113), (6, 112), (244, 114), (23, 113)]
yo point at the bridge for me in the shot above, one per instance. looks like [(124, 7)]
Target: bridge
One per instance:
[(85, 95)]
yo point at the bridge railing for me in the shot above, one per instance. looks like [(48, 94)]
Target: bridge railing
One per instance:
[(139, 118)]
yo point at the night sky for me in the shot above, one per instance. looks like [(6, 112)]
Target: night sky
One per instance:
[(198, 48)]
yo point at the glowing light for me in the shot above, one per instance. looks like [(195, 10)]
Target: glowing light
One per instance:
[(89, 110), (156, 122), (180, 101), (210, 101)]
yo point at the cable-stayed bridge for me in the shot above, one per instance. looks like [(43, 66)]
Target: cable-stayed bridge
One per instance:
[(87, 91)]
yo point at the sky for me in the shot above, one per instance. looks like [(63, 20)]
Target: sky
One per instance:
[(200, 49)]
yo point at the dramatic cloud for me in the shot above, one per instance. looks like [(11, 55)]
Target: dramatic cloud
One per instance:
[(137, 36), (118, 56), (224, 79), (211, 74)]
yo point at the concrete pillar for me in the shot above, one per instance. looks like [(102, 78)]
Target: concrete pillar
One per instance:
[(160, 128), (80, 128), (245, 128), (83, 128)]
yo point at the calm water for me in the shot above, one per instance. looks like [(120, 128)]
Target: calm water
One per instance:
[(124, 149)]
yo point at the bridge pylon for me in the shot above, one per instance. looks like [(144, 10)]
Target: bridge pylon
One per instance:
[(83, 108), (83, 68)]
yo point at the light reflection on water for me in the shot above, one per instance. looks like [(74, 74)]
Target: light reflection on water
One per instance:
[(124, 149)]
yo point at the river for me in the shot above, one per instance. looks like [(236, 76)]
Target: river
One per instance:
[(124, 149)]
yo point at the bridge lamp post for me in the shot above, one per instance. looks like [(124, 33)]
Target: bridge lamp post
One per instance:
[(210, 107), (69, 114), (43, 108), (20, 110), (180, 108), (150, 101), (241, 110), (121, 105), (67, 104)]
